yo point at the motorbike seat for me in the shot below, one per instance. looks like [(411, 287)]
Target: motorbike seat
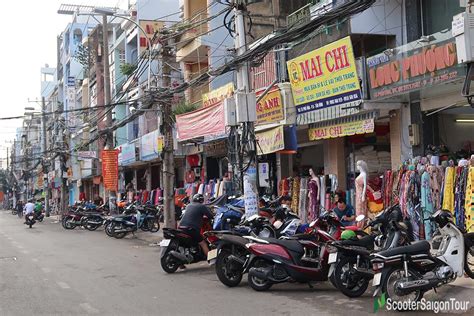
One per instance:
[(235, 239), (220, 201), (365, 242), (292, 245), (419, 247)]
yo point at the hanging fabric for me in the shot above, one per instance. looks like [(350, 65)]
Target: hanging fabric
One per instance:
[(469, 201), (302, 206), (427, 203), (448, 193), (295, 195)]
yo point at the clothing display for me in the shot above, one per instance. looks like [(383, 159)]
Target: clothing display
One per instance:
[(302, 205), (448, 189), (427, 203), (469, 201), (313, 200), (360, 205)]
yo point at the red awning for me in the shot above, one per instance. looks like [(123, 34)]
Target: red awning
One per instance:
[(206, 121)]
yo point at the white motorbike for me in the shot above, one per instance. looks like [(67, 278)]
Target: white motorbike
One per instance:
[(406, 273)]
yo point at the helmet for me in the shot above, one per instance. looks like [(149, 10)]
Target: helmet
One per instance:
[(348, 234), (198, 198)]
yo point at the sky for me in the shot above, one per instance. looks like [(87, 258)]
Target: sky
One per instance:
[(29, 29)]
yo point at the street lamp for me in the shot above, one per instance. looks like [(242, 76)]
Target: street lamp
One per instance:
[(110, 12)]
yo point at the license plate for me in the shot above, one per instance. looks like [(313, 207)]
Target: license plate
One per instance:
[(165, 242), (211, 254), (331, 270), (377, 278), (332, 257)]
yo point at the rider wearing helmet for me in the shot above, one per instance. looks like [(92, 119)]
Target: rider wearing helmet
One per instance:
[(192, 220)]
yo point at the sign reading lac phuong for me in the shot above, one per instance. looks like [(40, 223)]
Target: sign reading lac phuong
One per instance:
[(324, 77)]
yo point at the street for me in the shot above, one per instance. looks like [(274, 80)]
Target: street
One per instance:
[(49, 271)]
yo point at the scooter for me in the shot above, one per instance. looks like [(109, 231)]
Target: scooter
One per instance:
[(406, 273), (30, 220), (350, 259)]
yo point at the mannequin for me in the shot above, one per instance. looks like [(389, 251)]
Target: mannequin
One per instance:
[(361, 189), (314, 190)]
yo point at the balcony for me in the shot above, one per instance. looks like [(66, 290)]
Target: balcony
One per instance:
[(191, 47)]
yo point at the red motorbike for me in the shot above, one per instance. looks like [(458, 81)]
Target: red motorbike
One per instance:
[(330, 223), (303, 258)]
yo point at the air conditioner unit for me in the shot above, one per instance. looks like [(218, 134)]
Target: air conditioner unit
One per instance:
[(463, 31)]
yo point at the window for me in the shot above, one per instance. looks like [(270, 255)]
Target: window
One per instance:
[(438, 15)]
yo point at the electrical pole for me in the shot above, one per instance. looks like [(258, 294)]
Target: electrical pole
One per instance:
[(107, 98), (250, 183), (168, 148), (45, 155)]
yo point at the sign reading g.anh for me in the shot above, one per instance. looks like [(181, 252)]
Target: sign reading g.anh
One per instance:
[(324, 77)]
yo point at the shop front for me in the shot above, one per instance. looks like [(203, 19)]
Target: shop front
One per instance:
[(428, 78)]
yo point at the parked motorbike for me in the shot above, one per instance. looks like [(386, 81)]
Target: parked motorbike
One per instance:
[(350, 259), (407, 272)]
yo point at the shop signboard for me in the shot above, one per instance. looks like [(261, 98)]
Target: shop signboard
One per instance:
[(413, 67), (250, 192), (110, 169), (342, 129), (160, 143), (218, 95), (324, 77), (86, 155), (270, 141), (150, 27), (216, 149), (270, 108), (126, 154), (149, 146)]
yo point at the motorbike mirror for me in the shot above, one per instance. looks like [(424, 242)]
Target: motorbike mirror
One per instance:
[(360, 218)]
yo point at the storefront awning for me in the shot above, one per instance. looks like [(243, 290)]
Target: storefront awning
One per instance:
[(207, 121)]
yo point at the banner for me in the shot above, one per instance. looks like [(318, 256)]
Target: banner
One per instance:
[(149, 146), (126, 154), (206, 121), (343, 129), (324, 77), (218, 95), (270, 141), (270, 108), (411, 67), (110, 169)]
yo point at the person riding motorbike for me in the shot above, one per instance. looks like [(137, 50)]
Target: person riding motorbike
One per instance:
[(28, 209), (192, 220), (38, 208)]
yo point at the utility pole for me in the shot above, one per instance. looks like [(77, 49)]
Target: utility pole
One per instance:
[(45, 155), (250, 183), (107, 98), (168, 148)]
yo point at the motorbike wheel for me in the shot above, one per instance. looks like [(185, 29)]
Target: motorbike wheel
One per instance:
[(394, 276), (229, 273), (90, 227), (256, 283), (469, 255), (66, 222), (40, 219), (169, 264), (117, 235), (347, 280), (153, 225), (108, 229)]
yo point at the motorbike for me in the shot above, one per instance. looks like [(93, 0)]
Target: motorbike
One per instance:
[(179, 248), (82, 214), (407, 272), (231, 254), (30, 219), (350, 259)]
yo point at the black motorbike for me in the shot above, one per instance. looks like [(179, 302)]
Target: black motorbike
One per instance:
[(30, 219), (350, 259)]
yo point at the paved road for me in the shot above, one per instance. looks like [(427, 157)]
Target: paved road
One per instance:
[(49, 271)]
